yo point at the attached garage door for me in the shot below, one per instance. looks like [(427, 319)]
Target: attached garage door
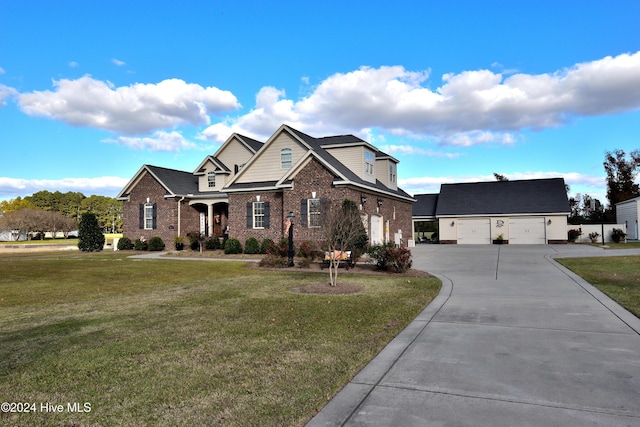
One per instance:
[(474, 232), (527, 231)]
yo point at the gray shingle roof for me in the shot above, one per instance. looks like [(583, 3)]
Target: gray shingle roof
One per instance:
[(178, 182), (537, 196), (317, 144), (425, 205)]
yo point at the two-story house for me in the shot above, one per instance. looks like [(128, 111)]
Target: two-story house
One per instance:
[(247, 189)]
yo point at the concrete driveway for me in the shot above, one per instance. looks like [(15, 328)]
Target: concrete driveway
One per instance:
[(513, 339)]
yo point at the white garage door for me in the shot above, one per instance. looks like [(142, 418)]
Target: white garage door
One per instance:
[(527, 231), (474, 232)]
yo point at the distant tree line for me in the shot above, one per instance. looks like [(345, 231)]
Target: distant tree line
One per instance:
[(58, 213)]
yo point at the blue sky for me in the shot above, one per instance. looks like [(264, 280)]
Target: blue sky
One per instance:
[(457, 90)]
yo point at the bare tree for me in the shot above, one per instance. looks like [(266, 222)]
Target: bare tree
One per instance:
[(343, 231)]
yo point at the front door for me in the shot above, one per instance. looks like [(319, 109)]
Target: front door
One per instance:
[(376, 229)]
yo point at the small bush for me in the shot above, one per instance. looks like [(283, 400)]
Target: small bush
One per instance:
[(266, 246), (574, 234), (308, 249), (155, 244), (391, 258), (125, 244), (282, 248), (232, 246), (271, 260), (140, 244), (251, 246), (212, 244), (617, 235), (304, 262)]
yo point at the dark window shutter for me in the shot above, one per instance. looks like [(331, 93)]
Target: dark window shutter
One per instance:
[(267, 214), (141, 216), (155, 216), (303, 213), (324, 210), (249, 215)]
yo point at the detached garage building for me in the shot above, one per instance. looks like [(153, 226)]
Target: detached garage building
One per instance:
[(521, 212)]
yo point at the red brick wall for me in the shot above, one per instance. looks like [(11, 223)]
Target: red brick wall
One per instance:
[(167, 213), (313, 178)]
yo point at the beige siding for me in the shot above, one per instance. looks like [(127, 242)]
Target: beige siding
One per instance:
[(203, 183), (353, 158), (267, 166), (235, 153), (383, 173)]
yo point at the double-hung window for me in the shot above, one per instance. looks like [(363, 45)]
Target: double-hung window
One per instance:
[(149, 209), (258, 214), (314, 210), (286, 158), (369, 160), (211, 179)]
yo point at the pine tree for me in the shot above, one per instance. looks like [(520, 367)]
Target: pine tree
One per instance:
[(89, 234)]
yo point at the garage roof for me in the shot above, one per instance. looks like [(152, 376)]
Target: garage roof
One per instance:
[(535, 196)]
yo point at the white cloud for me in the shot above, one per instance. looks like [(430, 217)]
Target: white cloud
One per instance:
[(5, 93), (118, 62), (468, 108), (2, 70), (73, 64), (136, 109), (410, 150), (160, 141), (109, 186)]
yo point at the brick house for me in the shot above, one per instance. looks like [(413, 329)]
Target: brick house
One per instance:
[(247, 189)]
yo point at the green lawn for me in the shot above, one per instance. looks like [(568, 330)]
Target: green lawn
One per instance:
[(173, 343), (618, 277)]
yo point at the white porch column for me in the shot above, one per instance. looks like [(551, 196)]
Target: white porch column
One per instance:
[(210, 219)]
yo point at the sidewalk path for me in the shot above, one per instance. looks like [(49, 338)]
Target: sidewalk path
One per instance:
[(513, 339)]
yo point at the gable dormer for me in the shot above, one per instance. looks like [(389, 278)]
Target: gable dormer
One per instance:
[(387, 170), (211, 175)]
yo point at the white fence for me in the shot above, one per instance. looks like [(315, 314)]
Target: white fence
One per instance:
[(596, 228)]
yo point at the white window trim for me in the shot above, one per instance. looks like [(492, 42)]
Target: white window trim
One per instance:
[(286, 158), (255, 216), (369, 163), (148, 216), (317, 213), (210, 181)]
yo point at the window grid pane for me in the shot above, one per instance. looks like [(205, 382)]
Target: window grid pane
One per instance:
[(258, 215), (314, 212), (148, 216)]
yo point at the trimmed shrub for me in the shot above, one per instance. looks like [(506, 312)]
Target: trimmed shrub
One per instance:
[(125, 244), (251, 246), (212, 244), (391, 258), (267, 246), (90, 237), (140, 245), (574, 234), (155, 244), (617, 235), (232, 246)]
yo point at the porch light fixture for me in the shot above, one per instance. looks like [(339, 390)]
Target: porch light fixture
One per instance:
[(548, 222), (379, 202), (363, 199), (453, 223)]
